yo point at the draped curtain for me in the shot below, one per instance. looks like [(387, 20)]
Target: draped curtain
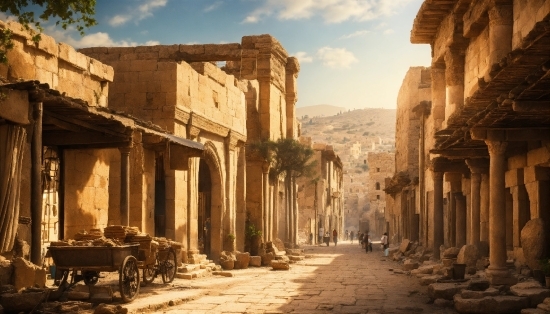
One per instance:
[(12, 141)]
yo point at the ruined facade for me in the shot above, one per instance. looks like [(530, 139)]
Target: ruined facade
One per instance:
[(321, 198), (404, 187), (487, 127), (381, 166), (75, 173), (251, 98)]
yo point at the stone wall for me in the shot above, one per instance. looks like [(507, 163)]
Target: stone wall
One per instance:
[(476, 61), (381, 166), (86, 202), (56, 64), (526, 15)]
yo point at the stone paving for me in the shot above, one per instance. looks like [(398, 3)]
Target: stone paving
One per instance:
[(341, 279)]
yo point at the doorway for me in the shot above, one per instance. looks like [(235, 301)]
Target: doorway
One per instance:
[(205, 212), (160, 197)]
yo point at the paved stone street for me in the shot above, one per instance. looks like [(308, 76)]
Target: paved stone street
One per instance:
[(342, 279)]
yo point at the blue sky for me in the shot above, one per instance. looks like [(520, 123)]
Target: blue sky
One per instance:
[(353, 53)]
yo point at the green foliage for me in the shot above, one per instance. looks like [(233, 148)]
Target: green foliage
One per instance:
[(31, 13), (286, 157), (231, 237), (252, 231)]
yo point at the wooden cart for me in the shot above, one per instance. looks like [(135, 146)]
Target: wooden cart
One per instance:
[(91, 260), (158, 261)]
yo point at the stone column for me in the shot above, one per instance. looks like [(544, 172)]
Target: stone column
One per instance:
[(484, 214), (265, 198), (36, 185), (501, 24), (537, 183), (125, 185), (460, 203), (477, 167), (438, 213), (454, 78), (497, 272)]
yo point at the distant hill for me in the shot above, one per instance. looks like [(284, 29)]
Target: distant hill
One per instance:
[(319, 111)]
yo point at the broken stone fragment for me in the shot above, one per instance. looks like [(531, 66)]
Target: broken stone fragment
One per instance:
[(255, 261), (280, 265), (26, 274), (110, 309), (20, 302)]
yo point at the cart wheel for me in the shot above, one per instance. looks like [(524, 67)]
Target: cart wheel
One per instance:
[(91, 277), (169, 266), (128, 279), (149, 275)]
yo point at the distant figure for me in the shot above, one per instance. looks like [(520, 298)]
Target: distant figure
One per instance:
[(368, 243), (351, 236), (385, 244), (335, 237), (347, 235), (311, 238), (360, 238)]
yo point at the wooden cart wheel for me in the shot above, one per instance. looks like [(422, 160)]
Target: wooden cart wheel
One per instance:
[(149, 275), (169, 267), (91, 277), (128, 279)]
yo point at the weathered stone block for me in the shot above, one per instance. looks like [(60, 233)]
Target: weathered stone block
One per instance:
[(243, 259), (445, 290), (255, 261), (27, 274), (409, 265), (532, 290), (533, 241), (451, 252), (280, 265), (468, 255), (496, 304), (20, 302), (405, 245)]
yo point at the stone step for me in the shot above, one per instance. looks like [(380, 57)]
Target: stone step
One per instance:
[(195, 274), (533, 311), (296, 258), (188, 268)]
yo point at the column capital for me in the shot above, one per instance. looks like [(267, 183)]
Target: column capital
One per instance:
[(438, 175), (126, 149), (496, 148)]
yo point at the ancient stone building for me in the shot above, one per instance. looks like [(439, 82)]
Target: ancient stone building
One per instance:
[(404, 187), (251, 98), (66, 156), (381, 166), (490, 63), (321, 198)]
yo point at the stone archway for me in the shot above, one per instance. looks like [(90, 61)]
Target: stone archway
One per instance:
[(212, 194)]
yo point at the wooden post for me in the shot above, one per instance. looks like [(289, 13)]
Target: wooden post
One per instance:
[(36, 185), (125, 185)]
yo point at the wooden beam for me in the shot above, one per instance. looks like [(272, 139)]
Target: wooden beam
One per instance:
[(461, 152), (62, 124), (82, 138), (116, 131)]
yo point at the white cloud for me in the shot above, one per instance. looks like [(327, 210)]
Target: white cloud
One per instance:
[(389, 31), (213, 6), (98, 39), (355, 34), (332, 11), (303, 57), (138, 13), (336, 57)]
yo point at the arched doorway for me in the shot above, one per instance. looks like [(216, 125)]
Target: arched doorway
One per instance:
[(205, 205)]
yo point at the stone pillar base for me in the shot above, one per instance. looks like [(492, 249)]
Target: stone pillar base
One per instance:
[(500, 276)]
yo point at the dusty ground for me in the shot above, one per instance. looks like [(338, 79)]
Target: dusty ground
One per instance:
[(342, 279)]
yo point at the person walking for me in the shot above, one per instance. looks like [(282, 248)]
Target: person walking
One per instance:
[(351, 236), (368, 243), (385, 243), (335, 237)]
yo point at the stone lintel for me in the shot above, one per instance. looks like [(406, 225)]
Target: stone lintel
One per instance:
[(461, 152), (513, 177), (538, 156), (536, 106), (205, 124), (510, 135), (442, 164), (535, 173)]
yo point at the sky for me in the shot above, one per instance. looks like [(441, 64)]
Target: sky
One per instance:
[(352, 53)]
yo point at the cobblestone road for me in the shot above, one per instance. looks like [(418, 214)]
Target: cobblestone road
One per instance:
[(341, 279)]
